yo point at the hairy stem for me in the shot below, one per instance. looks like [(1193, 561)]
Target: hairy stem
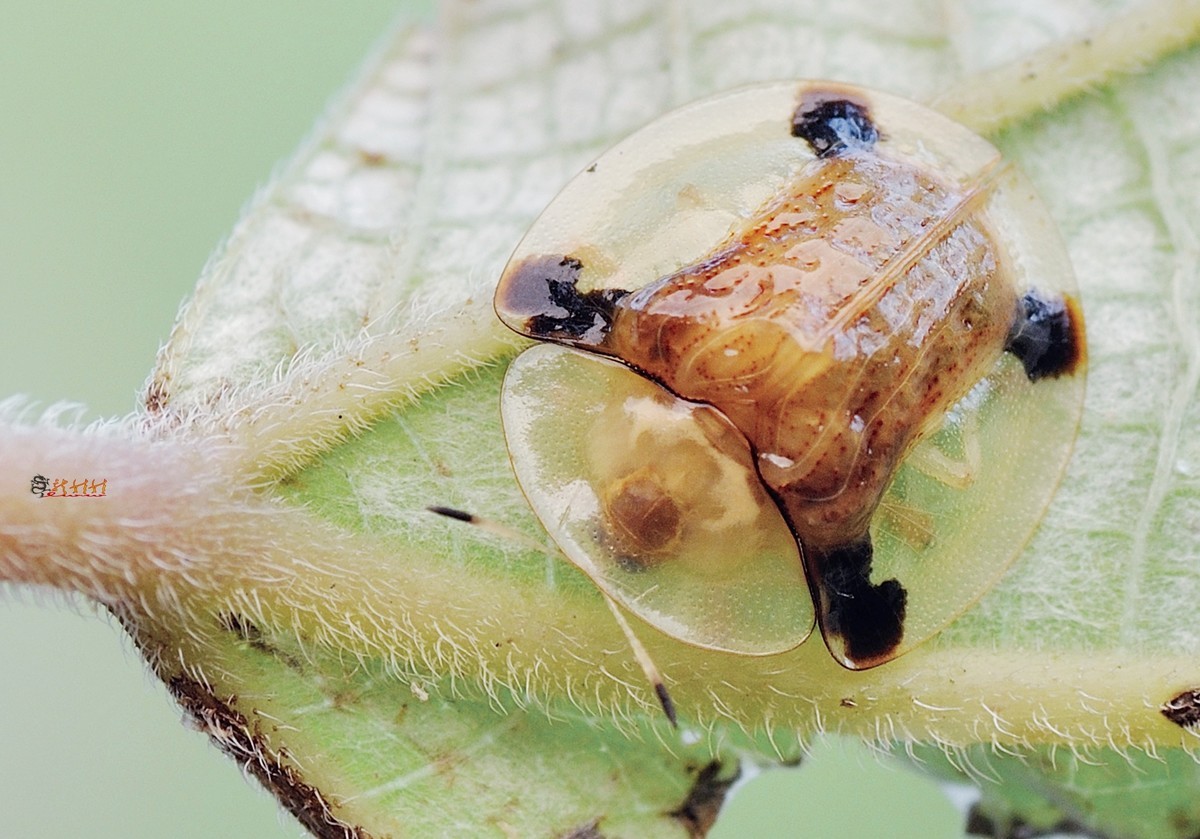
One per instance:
[(321, 401), (991, 100), (177, 538)]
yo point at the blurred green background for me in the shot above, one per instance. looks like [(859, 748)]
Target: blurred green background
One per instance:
[(131, 134)]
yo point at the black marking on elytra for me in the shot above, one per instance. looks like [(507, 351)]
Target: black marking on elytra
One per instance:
[(543, 290), (1046, 335), (1183, 709), (699, 810), (833, 126), (868, 617)]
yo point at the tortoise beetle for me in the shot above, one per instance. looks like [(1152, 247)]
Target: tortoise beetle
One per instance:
[(807, 351)]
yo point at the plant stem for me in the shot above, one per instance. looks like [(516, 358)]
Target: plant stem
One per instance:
[(988, 101)]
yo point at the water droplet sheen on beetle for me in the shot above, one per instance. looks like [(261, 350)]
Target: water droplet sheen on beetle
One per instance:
[(846, 268)]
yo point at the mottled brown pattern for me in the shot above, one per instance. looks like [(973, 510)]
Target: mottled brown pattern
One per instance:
[(833, 331)]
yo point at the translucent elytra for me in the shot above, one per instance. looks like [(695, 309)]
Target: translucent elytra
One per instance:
[(844, 299), (725, 574)]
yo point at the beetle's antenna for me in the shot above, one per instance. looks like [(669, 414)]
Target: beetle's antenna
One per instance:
[(494, 527), (649, 668), (643, 658)]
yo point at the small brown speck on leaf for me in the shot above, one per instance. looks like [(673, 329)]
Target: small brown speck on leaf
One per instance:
[(372, 158)]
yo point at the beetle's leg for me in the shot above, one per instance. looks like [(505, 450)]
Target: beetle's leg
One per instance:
[(649, 668), (957, 473), (911, 524), (863, 622), (1047, 335)]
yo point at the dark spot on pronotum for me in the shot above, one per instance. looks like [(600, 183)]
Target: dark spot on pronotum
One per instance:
[(452, 513), (699, 810), (1047, 335), (233, 735), (832, 123), (542, 290), (1183, 709), (868, 617)]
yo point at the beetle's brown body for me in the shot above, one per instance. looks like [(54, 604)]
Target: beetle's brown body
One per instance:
[(833, 330)]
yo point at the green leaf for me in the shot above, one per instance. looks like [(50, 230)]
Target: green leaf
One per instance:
[(337, 372), (1055, 792), (375, 752)]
